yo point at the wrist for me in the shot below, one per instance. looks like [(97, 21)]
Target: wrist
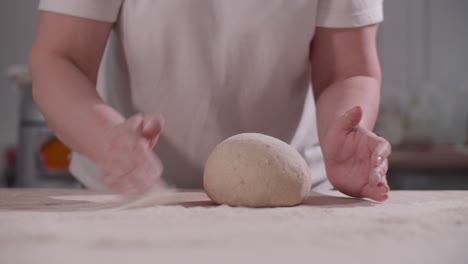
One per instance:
[(101, 137)]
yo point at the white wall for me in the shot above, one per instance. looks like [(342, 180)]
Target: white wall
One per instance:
[(17, 28), (447, 67), (423, 47)]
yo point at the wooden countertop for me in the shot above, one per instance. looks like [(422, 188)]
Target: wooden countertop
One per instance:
[(78, 226)]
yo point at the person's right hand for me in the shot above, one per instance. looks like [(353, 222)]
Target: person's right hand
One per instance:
[(130, 167)]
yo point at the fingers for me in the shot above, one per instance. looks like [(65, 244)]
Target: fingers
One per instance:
[(375, 178), (350, 120), (381, 152), (377, 189), (152, 128), (373, 193), (139, 180), (135, 122), (379, 162), (145, 177), (148, 126), (149, 171), (378, 173), (383, 186), (130, 166)]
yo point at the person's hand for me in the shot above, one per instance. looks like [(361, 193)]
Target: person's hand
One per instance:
[(130, 167), (356, 158)]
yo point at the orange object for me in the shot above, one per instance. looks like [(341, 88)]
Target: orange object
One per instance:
[(55, 155)]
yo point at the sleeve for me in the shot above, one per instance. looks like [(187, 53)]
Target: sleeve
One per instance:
[(102, 10), (349, 13)]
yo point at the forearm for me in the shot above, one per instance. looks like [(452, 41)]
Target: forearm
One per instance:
[(341, 96), (71, 105)]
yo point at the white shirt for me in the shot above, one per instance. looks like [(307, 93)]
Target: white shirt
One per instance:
[(215, 68)]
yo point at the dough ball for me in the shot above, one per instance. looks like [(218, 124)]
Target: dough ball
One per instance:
[(255, 170)]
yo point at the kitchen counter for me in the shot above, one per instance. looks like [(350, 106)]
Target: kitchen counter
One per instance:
[(428, 167), (78, 226), (429, 158)]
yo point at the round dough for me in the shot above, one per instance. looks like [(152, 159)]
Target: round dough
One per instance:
[(255, 170)]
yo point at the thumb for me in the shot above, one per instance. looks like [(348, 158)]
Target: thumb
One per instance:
[(152, 128), (350, 120)]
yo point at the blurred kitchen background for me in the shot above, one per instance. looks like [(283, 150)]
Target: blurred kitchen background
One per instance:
[(423, 47)]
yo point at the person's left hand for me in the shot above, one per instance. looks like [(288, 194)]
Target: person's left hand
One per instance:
[(356, 158)]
